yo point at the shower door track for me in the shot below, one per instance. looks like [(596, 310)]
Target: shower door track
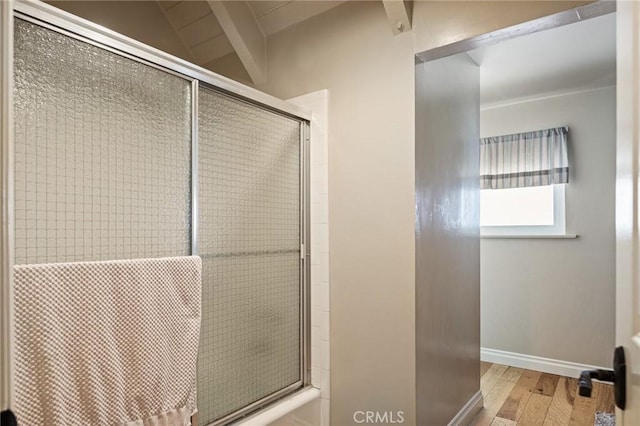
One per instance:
[(41, 13), (47, 16)]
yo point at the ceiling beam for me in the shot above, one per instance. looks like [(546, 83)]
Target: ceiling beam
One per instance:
[(246, 36), (399, 14)]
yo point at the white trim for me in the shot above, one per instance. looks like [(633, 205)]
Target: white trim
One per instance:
[(468, 411), (534, 237), (542, 97), (280, 409), (628, 201), (536, 363), (6, 204), (628, 192), (318, 103)]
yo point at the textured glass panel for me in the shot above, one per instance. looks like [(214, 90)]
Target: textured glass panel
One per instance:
[(249, 240), (103, 153)]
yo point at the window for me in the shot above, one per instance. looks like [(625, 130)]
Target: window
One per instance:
[(535, 210), (522, 177)]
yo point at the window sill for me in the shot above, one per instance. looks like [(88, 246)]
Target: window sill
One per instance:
[(533, 236)]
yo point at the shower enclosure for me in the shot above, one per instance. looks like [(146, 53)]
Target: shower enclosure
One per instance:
[(123, 151)]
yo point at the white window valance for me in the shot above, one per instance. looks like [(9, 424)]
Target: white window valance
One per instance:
[(524, 159)]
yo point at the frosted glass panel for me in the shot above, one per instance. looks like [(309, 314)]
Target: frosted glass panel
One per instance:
[(249, 241), (103, 153)]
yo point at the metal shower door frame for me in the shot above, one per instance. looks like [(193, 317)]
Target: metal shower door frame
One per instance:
[(102, 37), (6, 205), (304, 262), (44, 15)]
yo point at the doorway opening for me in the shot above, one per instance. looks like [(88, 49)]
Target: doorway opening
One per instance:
[(547, 247), (544, 96)]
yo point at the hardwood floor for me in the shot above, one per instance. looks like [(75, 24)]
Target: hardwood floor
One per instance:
[(514, 396)]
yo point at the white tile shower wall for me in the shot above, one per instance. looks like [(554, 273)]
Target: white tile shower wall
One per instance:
[(317, 103)]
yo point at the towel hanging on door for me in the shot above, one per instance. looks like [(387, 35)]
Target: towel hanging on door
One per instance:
[(107, 343)]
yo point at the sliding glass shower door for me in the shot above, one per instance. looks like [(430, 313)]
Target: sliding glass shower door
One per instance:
[(249, 236), (102, 153), (123, 153)]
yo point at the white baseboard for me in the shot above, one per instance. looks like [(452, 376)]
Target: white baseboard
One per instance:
[(469, 411), (536, 363)]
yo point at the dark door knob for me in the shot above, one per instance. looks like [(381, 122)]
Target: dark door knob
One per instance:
[(617, 376), (8, 418)]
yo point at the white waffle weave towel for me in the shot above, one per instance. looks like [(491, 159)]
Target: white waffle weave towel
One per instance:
[(107, 343)]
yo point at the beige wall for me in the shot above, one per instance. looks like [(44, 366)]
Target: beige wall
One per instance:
[(369, 73), (351, 51), (140, 20), (559, 294)]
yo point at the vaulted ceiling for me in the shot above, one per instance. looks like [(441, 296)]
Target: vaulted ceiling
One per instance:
[(198, 29), (210, 30), (216, 34)]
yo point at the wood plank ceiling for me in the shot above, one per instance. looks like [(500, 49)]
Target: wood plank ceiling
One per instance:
[(198, 29), (210, 30)]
